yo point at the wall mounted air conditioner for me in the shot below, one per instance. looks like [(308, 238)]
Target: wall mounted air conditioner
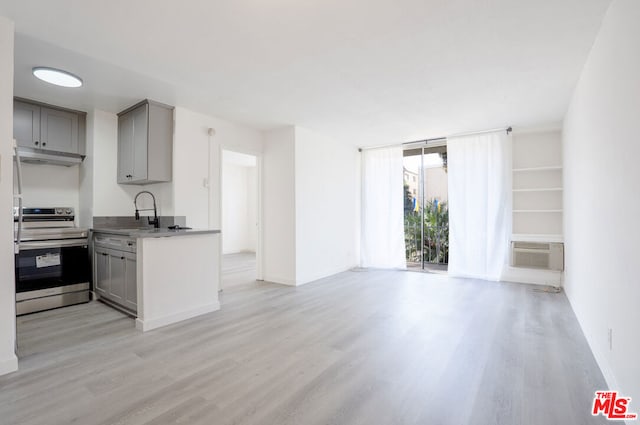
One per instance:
[(538, 255)]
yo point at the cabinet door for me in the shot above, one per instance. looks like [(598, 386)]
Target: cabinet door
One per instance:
[(125, 148), (58, 130), (26, 124), (130, 283), (101, 276), (117, 268), (140, 118)]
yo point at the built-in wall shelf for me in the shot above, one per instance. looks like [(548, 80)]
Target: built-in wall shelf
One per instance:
[(541, 237), (540, 189), (544, 168), (537, 211), (537, 187)]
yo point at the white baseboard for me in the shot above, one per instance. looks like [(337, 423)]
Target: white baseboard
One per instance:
[(8, 365), (158, 322), (532, 276), (322, 275), (280, 280)]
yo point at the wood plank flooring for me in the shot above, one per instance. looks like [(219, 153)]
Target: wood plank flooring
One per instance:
[(362, 347), (238, 269)]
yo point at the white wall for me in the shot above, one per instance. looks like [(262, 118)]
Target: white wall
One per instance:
[(110, 198), (50, 185), (602, 202), (190, 163), (310, 206), (326, 193), (239, 204), (8, 360), (278, 206), (187, 193)]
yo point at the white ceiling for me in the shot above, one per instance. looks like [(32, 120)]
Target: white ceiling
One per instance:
[(366, 72)]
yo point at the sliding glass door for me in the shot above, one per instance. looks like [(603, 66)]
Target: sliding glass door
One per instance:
[(426, 214)]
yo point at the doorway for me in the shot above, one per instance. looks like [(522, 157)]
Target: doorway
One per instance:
[(426, 209), (240, 218)]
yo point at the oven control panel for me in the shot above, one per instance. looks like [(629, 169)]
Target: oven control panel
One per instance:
[(57, 213)]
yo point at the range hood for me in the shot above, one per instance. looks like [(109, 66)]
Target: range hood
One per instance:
[(41, 156)]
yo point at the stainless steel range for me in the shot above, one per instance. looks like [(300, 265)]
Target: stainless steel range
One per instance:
[(52, 259)]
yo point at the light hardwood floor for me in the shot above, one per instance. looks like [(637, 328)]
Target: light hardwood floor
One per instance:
[(238, 269), (368, 347)]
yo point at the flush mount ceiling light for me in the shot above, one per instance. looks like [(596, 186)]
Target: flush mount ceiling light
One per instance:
[(57, 76)]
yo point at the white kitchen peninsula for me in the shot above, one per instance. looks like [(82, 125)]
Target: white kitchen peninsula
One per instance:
[(177, 273)]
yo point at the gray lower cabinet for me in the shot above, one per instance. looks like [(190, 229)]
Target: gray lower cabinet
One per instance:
[(115, 277), (43, 127), (102, 274)]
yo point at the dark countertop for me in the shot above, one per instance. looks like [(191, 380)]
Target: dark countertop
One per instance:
[(154, 233)]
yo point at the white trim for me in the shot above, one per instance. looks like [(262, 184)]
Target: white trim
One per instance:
[(9, 365), (149, 324), (541, 237), (537, 211), (542, 189), (542, 168), (323, 275), (260, 220)]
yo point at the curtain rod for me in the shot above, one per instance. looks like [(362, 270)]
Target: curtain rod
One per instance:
[(507, 129), (437, 139)]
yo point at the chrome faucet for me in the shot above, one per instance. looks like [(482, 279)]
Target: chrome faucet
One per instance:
[(155, 221)]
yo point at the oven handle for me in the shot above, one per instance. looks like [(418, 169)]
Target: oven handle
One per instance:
[(52, 244)]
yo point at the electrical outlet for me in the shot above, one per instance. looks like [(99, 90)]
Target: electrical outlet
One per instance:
[(610, 337)]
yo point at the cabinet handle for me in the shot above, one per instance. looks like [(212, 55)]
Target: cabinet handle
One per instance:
[(44, 143), (36, 143), (122, 258), (104, 254)]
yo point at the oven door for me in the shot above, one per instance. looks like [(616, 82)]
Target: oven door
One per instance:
[(49, 264)]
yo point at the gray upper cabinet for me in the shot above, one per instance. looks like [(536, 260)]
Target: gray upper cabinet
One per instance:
[(145, 143), (59, 130), (45, 127), (26, 124)]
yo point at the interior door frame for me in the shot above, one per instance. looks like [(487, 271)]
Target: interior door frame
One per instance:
[(259, 202)]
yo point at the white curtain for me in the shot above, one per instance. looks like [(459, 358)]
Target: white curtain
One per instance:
[(479, 168), (382, 209)]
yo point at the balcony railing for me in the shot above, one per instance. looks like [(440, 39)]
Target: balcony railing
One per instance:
[(435, 247)]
